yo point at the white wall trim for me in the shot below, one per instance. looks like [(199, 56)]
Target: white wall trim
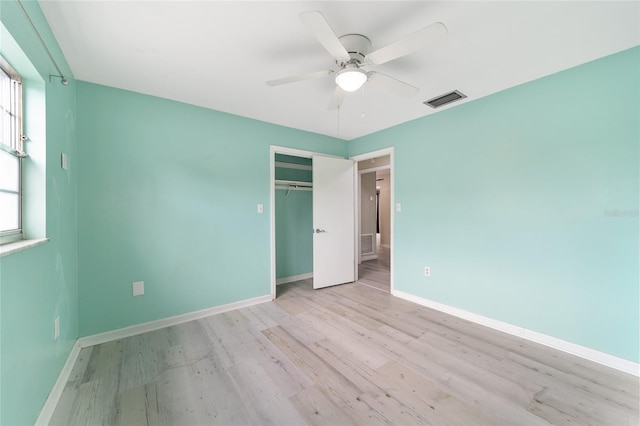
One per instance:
[(294, 278), (368, 257), (608, 360), (374, 154), (373, 169), (133, 330), (56, 392)]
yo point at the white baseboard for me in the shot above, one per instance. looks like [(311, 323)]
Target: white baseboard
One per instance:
[(294, 278), (553, 342), (368, 257), (56, 392), (133, 330)]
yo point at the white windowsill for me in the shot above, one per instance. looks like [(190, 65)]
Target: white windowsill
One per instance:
[(7, 249)]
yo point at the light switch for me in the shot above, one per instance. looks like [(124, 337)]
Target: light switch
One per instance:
[(138, 288), (260, 208), (64, 161), (56, 327), (398, 207)]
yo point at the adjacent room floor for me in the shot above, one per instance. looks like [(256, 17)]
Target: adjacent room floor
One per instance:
[(376, 273), (349, 354)]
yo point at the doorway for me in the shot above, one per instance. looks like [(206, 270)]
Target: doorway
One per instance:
[(375, 219)]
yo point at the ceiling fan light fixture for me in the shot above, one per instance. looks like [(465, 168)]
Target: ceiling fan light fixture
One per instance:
[(351, 79)]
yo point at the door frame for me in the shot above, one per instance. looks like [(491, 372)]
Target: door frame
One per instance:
[(368, 156), (273, 150)]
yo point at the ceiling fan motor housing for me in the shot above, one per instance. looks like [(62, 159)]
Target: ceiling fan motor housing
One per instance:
[(357, 45)]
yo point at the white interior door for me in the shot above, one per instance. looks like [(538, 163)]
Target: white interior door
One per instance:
[(333, 221)]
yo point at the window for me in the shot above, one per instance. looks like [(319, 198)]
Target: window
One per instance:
[(11, 154)]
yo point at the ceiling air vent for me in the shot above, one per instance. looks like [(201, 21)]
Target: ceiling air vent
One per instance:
[(447, 98)]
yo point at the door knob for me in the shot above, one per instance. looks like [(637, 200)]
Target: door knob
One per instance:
[(318, 230)]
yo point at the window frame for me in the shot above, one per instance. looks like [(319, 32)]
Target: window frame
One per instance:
[(16, 144)]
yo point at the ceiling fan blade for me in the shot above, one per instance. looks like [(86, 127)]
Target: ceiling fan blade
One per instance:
[(407, 45), (391, 84), (320, 28), (336, 99), (299, 77)]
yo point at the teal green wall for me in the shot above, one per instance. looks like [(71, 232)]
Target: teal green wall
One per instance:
[(167, 195), (525, 204), (294, 240), (41, 282)]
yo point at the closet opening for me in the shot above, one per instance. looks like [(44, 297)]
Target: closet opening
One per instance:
[(293, 210)]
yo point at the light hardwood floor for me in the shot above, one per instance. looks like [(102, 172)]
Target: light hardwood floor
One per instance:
[(376, 273), (342, 355)]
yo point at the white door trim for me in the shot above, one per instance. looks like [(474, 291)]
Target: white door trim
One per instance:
[(368, 156)]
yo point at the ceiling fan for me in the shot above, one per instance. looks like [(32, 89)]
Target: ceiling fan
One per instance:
[(354, 58)]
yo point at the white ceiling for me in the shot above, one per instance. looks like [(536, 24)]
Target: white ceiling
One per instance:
[(219, 54)]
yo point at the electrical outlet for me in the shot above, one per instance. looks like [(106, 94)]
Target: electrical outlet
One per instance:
[(427, 271), (56, 327), (138, 288), (64, 161)]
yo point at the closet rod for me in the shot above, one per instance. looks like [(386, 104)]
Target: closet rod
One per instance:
[(294, 187), (62, 77), (294, 183)]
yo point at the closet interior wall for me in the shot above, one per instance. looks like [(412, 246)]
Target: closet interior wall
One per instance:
[(294, 218)]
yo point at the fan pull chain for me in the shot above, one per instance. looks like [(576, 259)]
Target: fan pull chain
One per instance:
[(338, 121)]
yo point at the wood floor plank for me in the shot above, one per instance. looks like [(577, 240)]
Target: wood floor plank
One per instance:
[(321, 373), (265, 401), (450, 380), (577, 396), (354, 349), (318, 409), (133, 407), (349, 354), (96, 393), (283, 319), (378, 394), (215, 393), (344, 393), (94, 405), (581, 408), (176, 402), (482, 374), (258, 321), (282, 372), (437, 406), (66, 402), (380, 313)]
